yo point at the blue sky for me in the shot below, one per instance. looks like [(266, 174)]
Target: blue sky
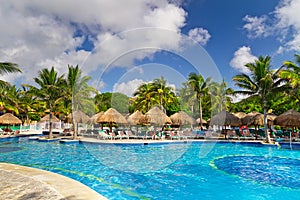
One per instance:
[(122, 44)]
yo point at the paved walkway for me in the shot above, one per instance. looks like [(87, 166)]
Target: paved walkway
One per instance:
[(23, 183)]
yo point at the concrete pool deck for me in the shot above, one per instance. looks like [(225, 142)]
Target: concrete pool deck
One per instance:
[(22, 183)]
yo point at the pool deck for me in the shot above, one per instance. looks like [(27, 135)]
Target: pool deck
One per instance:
[(19, 182)]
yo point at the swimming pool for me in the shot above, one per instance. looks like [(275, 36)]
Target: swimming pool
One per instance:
[(199, 170)]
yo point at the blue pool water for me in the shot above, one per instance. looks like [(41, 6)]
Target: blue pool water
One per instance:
[(200, 170)]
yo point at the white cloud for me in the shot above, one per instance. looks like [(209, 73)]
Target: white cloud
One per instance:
[(238, 97), (200, 35), (129, 87), (283, 23), (241, 57), (256, 26), (40, 34)]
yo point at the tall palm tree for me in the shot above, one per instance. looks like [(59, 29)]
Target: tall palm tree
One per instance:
[(221, 96), (49, 91), (144, 97), (78, 92), (7, 67), (200, 87), (292, 74), (164, 92), (261, 82)]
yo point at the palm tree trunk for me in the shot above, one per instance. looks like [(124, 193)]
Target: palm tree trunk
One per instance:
[(200, 110), (50, 124), (74, 122), (268, 140)]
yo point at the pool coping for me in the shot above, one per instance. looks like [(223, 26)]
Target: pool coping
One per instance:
[(66, 187)]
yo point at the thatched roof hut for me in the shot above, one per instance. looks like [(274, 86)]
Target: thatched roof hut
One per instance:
[(46, 118), (290, 118), (156, 116), (135, 118), (94, 118), (9, 118), (80, 117), (112, 116), (225, 118), (181, 118)]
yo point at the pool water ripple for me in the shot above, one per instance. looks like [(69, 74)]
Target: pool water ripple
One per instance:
[(277, 171)]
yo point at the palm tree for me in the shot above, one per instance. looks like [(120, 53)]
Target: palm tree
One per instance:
[(78, 92), (144, 97), (221, 96), (261, 82), (200, 87), (7, 67), (49, 91), (293, 72), (164, 92)]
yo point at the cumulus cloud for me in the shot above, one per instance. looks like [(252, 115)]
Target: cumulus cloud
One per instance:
[(241, 57), (283, 23), (128, 88), (256, 26), (40, 34), (200, 35)]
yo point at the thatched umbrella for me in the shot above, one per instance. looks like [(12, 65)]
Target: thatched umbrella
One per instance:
[(9, 118), (156, 116), (290, 118), (225, 118), (258, 120), (94, 118), (112, 116), (79, 116), (46, 118), (134, 118), (203, 121), (240, 115), (248, 119), (181, 118)]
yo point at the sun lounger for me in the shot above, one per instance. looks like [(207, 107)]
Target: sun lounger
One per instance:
[(130, 135), (103, 135)]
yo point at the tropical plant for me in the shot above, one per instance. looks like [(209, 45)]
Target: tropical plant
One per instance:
[(144, 97), (221, 96), (78, 93), (49, 91), (262, 82), (200, 87), (7, 67)]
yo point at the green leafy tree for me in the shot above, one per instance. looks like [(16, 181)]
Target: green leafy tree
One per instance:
[(49, 91), (200, 87), (7, 67), (261, 82), (78, 93)]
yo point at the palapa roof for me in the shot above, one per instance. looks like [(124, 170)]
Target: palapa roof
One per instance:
[(112, 116), (47, 117), (203, 121), (181, 118), (156, 116), (134, 118), (9, 118), (240, 115), (248, 119), (224, 118), (94, 118), (80, 117), (290, 118), (257, 119)]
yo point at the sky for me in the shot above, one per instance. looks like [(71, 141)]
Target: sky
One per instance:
[(124, 43)]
